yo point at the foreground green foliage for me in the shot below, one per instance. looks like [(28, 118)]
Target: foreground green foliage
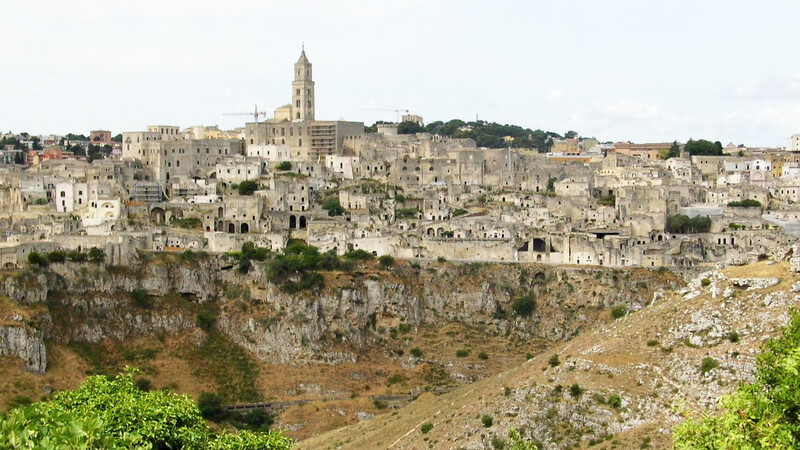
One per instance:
[(115, 414), (762, 414)]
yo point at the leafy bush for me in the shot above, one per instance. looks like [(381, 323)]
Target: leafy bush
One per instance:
[(359, 255), (459, 212), (441, 259), (396, 378), (37, 259), (553, 361), (77, 256), (619, 310), (210, 406), (733, 336), (576, 390), (747, 203), (379, 404), (96, 255), (188, 223), (463, 353), (652, 343), (247, 187), (386, 261), (56, 256), (141, 298), (114, 413), (705, 282), (487, 420), (615, 401), (761, 414), (682, 224), (205, 320), (284, 166), (483, 356), (333, 206), (524, 305), (708, 364), (406, 213), (416, 352), (426, 427)]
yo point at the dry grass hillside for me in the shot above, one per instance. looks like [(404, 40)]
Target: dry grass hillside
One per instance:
[(622, 384)]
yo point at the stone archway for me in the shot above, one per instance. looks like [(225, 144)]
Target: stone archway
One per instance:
[(302, 221), (231, 228), (158, 216), (244, 228), (292, 221)]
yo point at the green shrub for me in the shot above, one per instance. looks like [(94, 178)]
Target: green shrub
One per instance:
[(247, 187), (705, 282), (760, 414), (416, 352), (576, 390), (708, 364), (210, 406), (386, 261), (483, 355), (406, 213), (619, 310), (426, 427), (378, 404), (748, 203), (396, 378), (333, 206), (36, 259), (525, 305), (96, 255), (205, 320), (652, 343), (284, 166), (77, 256), (141, 298), (359, 255), (498, 443), (56, 256), (553, 361), (487, 420), (459, 212), (114, 413), (733, 336), (441, 259), (615, 401), (462, 353)]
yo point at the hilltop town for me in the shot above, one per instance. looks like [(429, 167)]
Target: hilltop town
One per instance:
[(402, 189)]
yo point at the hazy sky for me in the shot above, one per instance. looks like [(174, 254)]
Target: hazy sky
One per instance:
[(635, 70)]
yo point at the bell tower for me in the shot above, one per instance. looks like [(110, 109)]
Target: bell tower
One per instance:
[(302, 90)]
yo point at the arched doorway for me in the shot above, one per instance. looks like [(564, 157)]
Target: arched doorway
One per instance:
[(302, 221), (245, 228), (158, 215), (231, 228), (292, 222), (220, 226)]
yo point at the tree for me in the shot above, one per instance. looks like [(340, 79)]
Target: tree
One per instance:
[(37, 259), (703, 147), (284, 165), (407, 127), (761, 414), (333, 206), (115, 413), (117, 138), (570, 134), (524, 305), (96, 255), (247, 187)]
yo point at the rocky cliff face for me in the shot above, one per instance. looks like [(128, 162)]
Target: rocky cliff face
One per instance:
[(25, 343), (89, 303)]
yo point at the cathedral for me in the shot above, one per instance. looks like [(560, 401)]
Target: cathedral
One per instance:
[(294, 133)]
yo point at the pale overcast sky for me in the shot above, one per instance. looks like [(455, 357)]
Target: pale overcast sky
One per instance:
[(635, 70)]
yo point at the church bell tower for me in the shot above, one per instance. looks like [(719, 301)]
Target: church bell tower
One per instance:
[(302, 90)]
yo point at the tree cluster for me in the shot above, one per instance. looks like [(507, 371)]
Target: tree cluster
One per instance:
[(703, 147), (485, 134), (116, 414), (681, 224)]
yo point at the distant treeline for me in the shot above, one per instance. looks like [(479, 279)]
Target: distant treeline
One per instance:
[(485, 134)]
